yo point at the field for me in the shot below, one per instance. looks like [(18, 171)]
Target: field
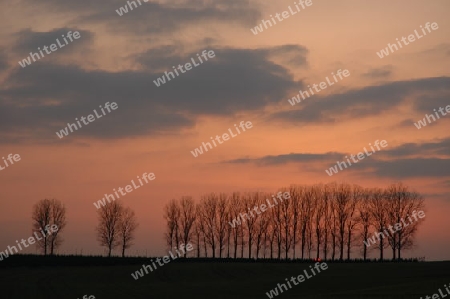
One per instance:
[(72, 278)]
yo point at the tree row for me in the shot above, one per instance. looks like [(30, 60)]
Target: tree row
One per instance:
[(322, 221)]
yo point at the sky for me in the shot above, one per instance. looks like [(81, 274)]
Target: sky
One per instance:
[(154, 129)]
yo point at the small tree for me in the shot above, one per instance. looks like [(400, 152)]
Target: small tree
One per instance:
[(108, 229), (127, 226), (48, 212), (172, 216), (187, 219)]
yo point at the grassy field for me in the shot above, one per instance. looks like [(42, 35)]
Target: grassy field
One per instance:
[(193, 279)]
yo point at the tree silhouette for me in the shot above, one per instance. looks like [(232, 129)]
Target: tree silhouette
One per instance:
[(127, 227), (322, 219), (48, 212), (108, 229)]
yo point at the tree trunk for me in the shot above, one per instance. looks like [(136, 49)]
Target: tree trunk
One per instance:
[(279, 250), (235, 246), (249, 247), (205, 246), (229, 245), (294, 243), (52, 246), (381, 248), (393, 252), (45, 246), (303, 241), (364, 244), (333, 244), (349, 243), (198, 246)]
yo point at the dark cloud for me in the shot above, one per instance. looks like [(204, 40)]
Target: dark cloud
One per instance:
[(439, 50), (407, 123), (408, 168), (288, 158), (43, 99), (379, 73), (436, 148), (427, 103), (367, 101), (293, 55), (153, 17), (405, 161), (28, 41), (171, 55)]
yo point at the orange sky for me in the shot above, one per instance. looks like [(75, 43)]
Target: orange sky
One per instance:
[(250, 79)]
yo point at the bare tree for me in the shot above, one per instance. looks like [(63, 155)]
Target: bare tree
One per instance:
[(41, 219), (127, 227), (327, 212), (222, 224), (187, 219), (261, 225), (296, 197), (378, 212), (277, 228), (250, 200), (286, 222), (319, 203), (365, 218), (108, 229), (407, 234), (48, 212), (343, 203), (322, 218), (198, 230), (305, 216), (58, 218), (271, 233), (234, 208), (353, 219), (208, 214), (334, 225), (172, 215), (401, 203)]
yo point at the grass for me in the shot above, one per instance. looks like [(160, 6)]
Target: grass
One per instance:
[(27, 277)]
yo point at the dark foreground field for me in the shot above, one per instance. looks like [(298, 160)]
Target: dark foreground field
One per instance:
[(191, 279)]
